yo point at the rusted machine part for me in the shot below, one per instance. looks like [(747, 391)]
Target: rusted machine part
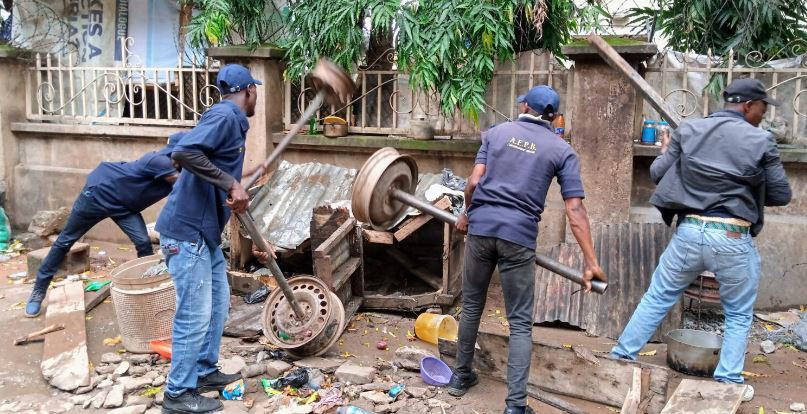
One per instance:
[(704, 289), (322, 322), (386, 184)]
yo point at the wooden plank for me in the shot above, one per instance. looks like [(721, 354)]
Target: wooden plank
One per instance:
[(334, 238), (375, 236), (65, 364), (410, 225), (93, 299), (705, 397), (617, 62), (560, 371), (344, 272), (631, 404), (553, 401)]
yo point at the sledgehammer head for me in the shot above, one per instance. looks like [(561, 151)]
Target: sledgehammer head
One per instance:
[(329, 78)]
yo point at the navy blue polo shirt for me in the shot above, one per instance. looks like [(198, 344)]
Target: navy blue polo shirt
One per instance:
[(521, 158), (130, 187), (195, 209)]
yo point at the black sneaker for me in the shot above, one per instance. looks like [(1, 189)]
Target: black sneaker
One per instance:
[(34, 306), (519, 410), (190, 402), (215, 381), (458, 386)]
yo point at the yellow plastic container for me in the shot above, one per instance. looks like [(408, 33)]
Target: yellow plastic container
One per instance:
[(430, 326)]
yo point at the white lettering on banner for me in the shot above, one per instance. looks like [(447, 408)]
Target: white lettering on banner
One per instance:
[(522, 145)]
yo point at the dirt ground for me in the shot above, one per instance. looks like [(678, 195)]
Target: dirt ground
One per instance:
[(779, 384)]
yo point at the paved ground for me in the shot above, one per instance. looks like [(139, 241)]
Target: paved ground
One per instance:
[(781, 382)]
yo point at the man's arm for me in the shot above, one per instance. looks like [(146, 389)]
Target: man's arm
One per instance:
[(470, 186), (777, 187), (670, 152), (578, 221), (198, 164)]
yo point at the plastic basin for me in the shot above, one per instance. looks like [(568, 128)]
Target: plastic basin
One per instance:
[(434, 371)]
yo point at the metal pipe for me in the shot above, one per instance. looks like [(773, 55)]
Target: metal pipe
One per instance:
[(257, 238), (544, 261)]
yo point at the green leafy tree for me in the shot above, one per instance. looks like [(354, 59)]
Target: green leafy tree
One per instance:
[(232, 22)]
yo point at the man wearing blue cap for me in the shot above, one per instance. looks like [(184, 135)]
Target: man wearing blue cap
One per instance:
[(506, 192), (714, 176), (116, 190), (190, 226)]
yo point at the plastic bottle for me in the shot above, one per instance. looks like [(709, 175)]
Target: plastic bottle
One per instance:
[(560, 126), (351, 409)]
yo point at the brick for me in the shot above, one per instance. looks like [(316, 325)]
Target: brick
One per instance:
[(46, 223), (355, 374), (77, 261), (276, 368)]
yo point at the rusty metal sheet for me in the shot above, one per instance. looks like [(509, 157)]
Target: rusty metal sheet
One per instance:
[(628, 253)]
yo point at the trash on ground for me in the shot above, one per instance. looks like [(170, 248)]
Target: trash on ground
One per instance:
[(234, 391)]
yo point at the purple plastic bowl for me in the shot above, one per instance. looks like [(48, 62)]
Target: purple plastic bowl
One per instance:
[(434, 371)]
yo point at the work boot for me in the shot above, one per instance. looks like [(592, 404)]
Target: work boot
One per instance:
[(519, 410), (34, 306), (459, 385), (216, 381), (190, 402)]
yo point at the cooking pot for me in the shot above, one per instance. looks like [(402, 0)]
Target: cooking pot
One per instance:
[(334, 130), (693, 352)]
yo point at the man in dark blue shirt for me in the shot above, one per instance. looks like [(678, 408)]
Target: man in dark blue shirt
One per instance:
[(506, 193), (116, 190), (190, 226)]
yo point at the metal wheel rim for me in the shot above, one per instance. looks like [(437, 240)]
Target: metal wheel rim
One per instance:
[(276, 299), (340, 313), (368, 177)]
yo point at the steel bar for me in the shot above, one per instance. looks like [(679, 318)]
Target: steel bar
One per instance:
[(544, 261)]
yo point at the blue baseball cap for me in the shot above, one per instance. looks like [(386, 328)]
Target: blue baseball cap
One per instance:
[(540, 97), (234, 78)]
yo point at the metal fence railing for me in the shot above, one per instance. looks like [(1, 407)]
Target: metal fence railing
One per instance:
[(60, 90)]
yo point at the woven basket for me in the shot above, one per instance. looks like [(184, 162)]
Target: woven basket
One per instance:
[(144, 306)]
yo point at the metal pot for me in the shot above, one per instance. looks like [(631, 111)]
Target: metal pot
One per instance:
[(693, 352), (420, 128), (335, 130)]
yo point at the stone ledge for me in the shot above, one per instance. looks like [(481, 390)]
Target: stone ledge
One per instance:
[(794, 155), (265, 52), (9, 52), (373, 142), (101, 131)]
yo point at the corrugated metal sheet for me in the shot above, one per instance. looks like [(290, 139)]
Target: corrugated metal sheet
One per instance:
[(283, 207), (628, 253)]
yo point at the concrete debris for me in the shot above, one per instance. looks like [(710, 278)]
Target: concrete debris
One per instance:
[(57, 406), (435, 403), (276, 368), (132, 409), (797, 407), (132, 383), (110, 358), (121, 369), (98, 400), (390, 408), (415, 392), (33, 241), (408, 357), (47, 222), (154, 411), (156, 382), (140, 358), (253, 370), (376, 397), (377, 386), (139, 400), (138, 371), (105, 369), (232, 365), (79, 399), (250, 349), (151, 375), (234, 407), (106, 383), (355, 374), (364, 404), (767, 346), (115, 397), (159, 397), (325, 365)]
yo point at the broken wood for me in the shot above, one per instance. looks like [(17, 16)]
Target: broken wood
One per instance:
[(631, 404), (705, 397), (553, 401), (65, 364), (38, 335), (616, 61), (414, 268), (410, 225), (93, 299), (559, 370), (375, 236)]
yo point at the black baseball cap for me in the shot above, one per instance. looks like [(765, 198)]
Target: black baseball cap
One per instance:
[(747, 89)]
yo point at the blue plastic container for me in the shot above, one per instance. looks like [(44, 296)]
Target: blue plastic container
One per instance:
[(649, 132)]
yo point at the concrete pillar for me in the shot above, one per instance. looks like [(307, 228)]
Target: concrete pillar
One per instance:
[(13, 64), (604, 112), (266, 65)]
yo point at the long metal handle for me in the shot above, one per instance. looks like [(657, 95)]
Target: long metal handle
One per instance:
[(544, 261), (257, 238)]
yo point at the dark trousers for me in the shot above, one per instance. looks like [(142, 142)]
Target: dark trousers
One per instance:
[(85, 214), (517, 271)]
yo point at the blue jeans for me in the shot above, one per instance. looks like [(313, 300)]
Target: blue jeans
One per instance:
[(692, 250), (85, 214), (203, 303), (517, 272)]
